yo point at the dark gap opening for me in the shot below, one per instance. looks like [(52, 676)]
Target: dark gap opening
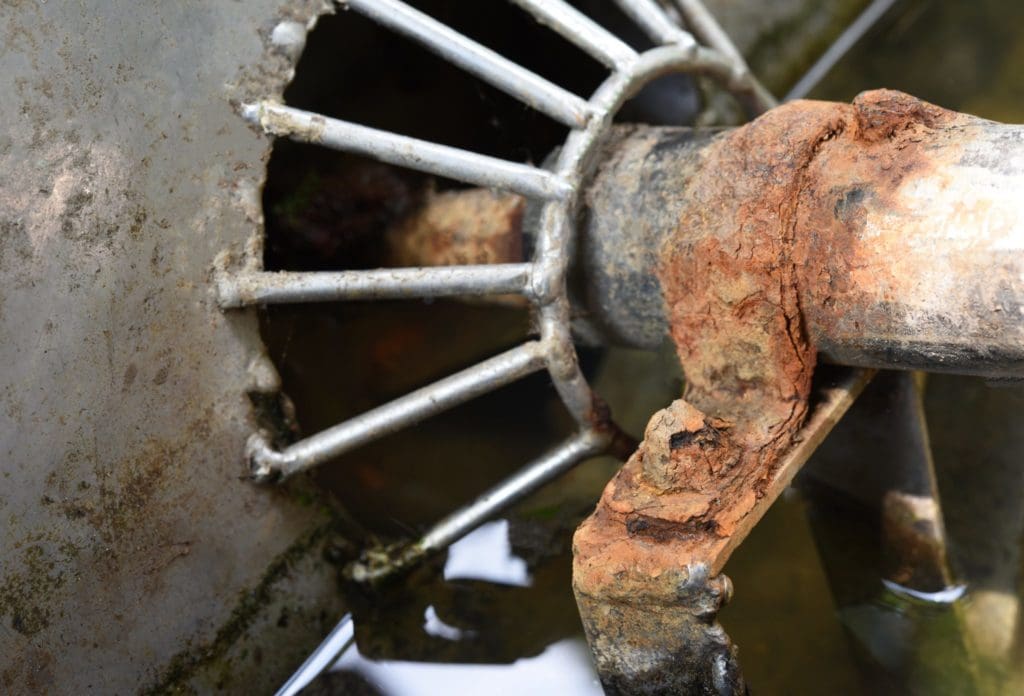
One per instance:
[(327, 210)]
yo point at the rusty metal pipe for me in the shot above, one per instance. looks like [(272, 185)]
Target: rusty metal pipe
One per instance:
[(911, 219), (812, 229)]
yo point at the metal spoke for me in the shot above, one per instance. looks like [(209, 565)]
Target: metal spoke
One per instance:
[(390, 283), (515, 80), (341, 637), (513, 489), (581, 30), (413, 407), (706, 28), (549, 466), (658, 25), (403, 151), (850, 36)]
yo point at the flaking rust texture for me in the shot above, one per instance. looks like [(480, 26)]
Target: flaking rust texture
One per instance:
[(737, 274)]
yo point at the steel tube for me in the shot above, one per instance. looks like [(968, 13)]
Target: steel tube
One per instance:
[(511, 78), (513, 489), (479, 379), (390, 283), (927, 267), (451, 162), (578, 28), (658, 25), (910, 217), (705, 27)]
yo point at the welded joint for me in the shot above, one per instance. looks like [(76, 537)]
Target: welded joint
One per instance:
[(266, 464), (228, 290)]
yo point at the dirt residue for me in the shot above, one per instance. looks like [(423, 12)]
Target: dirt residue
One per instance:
[(752, 242)]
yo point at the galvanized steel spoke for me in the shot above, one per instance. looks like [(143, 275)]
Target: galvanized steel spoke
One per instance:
[(389, 283), (413, 407), (707, 29), (850, 36), (653, 20), (542, 281), (549, 466), (581, 30), (341, 637), (528, 87), (403, 151)]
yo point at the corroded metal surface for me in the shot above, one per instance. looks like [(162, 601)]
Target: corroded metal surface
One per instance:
[(710, 464), (649, 588), (134, 555), (916, 210), (813, 227), (890, 199)]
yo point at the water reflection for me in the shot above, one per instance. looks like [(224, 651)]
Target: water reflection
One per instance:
[(486, 554), (443, 622)]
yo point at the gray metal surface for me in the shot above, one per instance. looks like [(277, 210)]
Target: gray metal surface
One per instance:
[(133, 555), (581, 30), (405, 152), (237, 290)]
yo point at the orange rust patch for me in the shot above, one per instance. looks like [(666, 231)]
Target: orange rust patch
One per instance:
[(854, 277), (760, 222), (460, 227)]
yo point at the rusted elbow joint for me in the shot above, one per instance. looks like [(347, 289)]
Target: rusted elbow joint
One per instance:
[(763, 260)]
